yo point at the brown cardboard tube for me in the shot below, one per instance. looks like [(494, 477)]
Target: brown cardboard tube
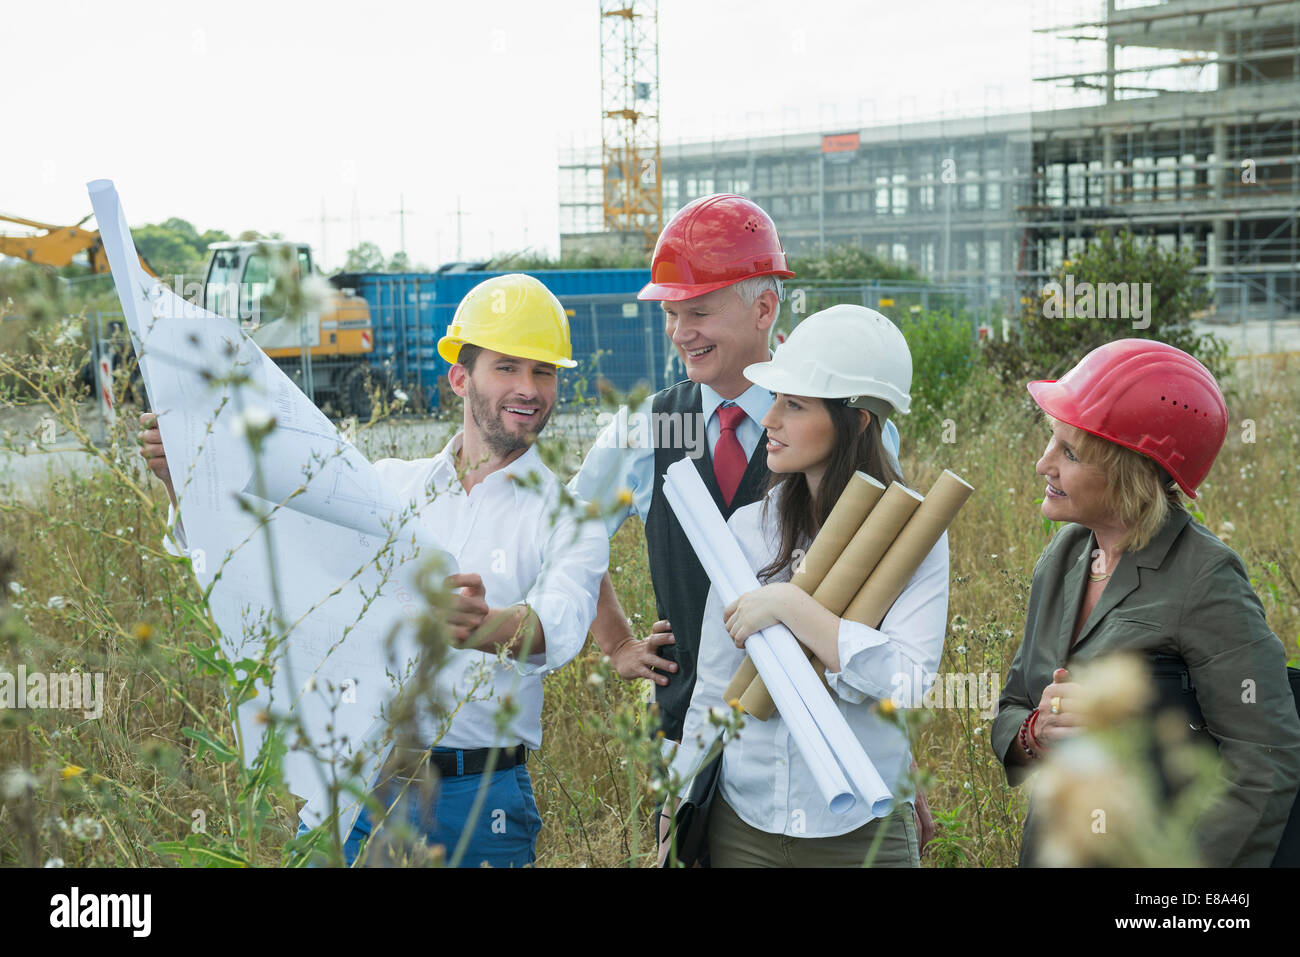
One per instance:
[(853, 505), (922, 532), (866, 548), (851, 508), (842, 581), (886, 581), (739, 683)]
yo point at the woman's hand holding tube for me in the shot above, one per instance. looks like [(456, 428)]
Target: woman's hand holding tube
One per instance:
[(754, 611), (816, 628)]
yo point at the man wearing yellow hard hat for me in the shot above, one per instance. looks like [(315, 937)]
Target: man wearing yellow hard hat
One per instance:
[(532, 567)]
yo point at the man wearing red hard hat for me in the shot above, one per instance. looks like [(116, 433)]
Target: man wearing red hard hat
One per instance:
[(717, 270)]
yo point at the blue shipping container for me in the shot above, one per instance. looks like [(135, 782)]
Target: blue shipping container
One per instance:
[(614, 335)]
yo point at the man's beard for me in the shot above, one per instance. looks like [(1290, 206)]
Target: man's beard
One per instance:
[(500, 440)]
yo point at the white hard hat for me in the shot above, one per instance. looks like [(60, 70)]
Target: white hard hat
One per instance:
[(844, 352)]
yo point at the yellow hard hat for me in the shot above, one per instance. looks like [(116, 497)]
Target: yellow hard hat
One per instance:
[(515, 315)]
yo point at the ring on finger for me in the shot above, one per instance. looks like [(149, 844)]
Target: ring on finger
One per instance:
[(1056, 704)]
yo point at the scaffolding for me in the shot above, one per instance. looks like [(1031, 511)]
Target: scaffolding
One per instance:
[(1179, 120)]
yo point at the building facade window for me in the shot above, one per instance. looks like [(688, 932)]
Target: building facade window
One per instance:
[(992, 256)]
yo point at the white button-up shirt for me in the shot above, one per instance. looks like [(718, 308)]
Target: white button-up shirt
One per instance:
[(765, 778), (529, 548)]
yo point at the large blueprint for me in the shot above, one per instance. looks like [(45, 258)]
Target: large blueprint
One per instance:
[(332, 568)]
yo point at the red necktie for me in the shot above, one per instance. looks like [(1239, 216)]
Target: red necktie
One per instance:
[(728, 456)]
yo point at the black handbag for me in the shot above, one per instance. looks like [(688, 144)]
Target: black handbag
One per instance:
[(1174, 689), (690, 828)]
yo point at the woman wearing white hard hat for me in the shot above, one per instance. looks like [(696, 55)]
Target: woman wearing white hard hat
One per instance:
[(840, 374)]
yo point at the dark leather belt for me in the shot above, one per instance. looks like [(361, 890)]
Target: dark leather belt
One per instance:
[(473, 762)]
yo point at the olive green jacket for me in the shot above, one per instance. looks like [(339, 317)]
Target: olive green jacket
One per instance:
[(1185, 593)]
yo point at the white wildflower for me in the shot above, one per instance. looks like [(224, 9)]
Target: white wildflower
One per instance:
[(15, 589), (54, 862), (16, 782), (87, 829), (56, 601), (595, 679)]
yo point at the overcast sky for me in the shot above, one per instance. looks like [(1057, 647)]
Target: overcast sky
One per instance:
[(249, 115)]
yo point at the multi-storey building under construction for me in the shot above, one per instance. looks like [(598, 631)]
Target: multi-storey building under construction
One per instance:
[(1179, 120)]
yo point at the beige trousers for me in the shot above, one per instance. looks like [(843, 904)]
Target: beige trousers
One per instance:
[(734, 843)]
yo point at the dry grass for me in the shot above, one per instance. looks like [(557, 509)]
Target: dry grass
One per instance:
[(98, 594)]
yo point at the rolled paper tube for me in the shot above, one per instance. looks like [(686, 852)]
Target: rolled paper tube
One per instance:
[(851, 509), (904, 557), (854, 504), (846, 576), (868, 545), (740, 682), (756, 701)]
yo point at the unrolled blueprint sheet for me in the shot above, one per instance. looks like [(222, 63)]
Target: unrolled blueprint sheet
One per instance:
[(327, 537)]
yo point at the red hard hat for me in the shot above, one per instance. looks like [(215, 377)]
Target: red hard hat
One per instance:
[(1146, 396), (713, 242)]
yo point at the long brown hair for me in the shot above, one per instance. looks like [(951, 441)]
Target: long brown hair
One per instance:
[(855, 449)]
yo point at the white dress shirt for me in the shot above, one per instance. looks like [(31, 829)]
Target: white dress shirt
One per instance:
[(765, 778), (529, 549), (611, 465)]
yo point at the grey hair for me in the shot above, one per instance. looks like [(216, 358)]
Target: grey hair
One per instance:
[(750, 289)]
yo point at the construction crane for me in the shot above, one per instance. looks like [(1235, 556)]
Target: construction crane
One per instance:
[(58, 245), (629, 130)]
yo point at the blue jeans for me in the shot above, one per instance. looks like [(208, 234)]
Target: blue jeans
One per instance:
[(504, 833)]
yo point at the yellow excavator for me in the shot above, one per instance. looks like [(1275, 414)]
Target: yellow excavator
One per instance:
[(58, 245), (237, 279)]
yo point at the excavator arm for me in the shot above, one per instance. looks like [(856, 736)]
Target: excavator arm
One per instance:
[(58, 245)]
